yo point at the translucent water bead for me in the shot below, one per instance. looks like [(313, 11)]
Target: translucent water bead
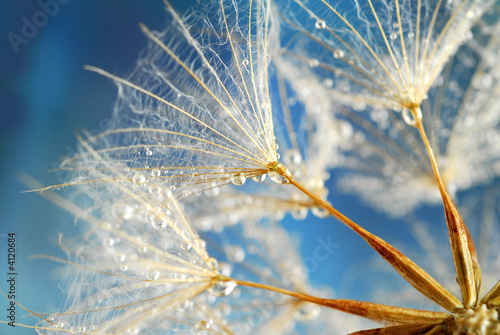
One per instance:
[(139, 179), (320, 24), (204, 325), (238, 179), (410, 117), (259, 178), (277, 178), (222, 288), (307, 312)]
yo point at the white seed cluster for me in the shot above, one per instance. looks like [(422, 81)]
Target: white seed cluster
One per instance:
[(480, 320)]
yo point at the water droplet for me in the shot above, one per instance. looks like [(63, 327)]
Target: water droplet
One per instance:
[(149, 152), (133, 331), (319, 212), (155, 173), (185, 245), (338, 53), (313, 62), (307, 312), (345, 129), (153, 275), (139, 179), (277, 178), (222, 288), (159, 223), (411, 34), (142, 249), (213, 263), (185, 305), (320, 24), (225, 269), (204, 325), (328, 83), (200, 243), (409, 117), (124, 267), (395, 25), (238, 179), (259, 178), (60, 325), (300, 214), (393, 35), (292, 157), (235, 253), (245, 62)]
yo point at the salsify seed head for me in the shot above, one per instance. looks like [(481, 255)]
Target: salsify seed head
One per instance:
[(200, 96), (381, 54)]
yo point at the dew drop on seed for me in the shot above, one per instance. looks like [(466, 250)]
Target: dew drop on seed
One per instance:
[(292, 157), (185, 245), (300, 214), (156, 173), (395, 25), (411, 34), (124, 267), (313, 62), (319, 212), (142, 249), (328, 83), (159, 223), (307, 312), (393, 35), (153, 275), (320, 24), (139, 179), (235, 253), (245, 62), (185, 305), (213, 263), (200, 243), (277, 178), (338, 53), (408, 117), (149, 152), (238, 179), (204, 325), (222, 288), (259, 178), (133, 331)]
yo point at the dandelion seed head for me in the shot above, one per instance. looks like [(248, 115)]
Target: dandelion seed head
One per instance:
[(385, 154), (390, 53), (200, 96)]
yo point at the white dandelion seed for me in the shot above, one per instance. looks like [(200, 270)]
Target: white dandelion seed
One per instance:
[(196, 112)]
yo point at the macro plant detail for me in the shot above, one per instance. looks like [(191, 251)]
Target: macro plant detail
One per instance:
[(192, 157)]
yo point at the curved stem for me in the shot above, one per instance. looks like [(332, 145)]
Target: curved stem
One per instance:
[(410, 271), (365, 309), (463, 250)]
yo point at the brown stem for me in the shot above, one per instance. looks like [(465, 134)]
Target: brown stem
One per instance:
[(411, 329), (365, 309), (462, 246), (411, 272), (493, 296)]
